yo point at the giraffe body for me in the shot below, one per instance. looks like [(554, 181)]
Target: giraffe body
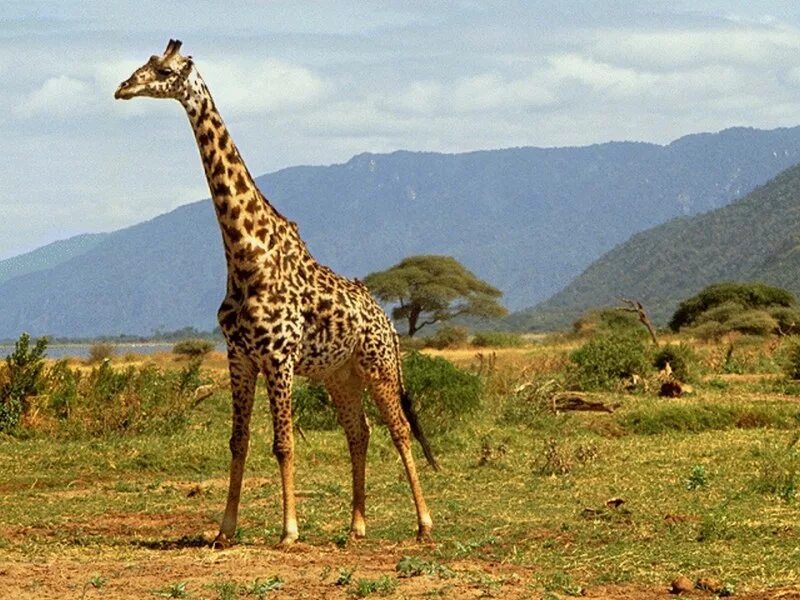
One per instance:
[(285, 314)]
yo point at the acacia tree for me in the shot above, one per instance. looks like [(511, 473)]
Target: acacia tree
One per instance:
[(429, 289)]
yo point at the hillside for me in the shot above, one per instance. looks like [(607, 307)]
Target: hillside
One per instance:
[(48, 256), (754, 239), (528, 220)]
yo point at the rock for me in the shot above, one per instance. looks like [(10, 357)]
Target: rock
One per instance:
[(709, 584), (681, 584)]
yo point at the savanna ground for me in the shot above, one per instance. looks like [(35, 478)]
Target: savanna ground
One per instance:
[(528, 504)]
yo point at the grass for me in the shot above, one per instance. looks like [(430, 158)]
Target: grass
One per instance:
[(707, 484)]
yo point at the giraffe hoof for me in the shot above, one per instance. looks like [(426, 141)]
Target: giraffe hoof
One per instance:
[(357, 536), (221, 542), (287, 541), (424, 534)]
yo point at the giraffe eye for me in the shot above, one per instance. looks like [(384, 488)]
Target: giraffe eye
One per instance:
[(164, 72)]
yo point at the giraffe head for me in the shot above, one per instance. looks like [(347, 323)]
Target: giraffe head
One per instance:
[(164, 76)]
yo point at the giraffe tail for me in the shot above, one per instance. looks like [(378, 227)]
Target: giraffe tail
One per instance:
[(413, 421)]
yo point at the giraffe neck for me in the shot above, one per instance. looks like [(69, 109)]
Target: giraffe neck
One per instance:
[(246, 219)]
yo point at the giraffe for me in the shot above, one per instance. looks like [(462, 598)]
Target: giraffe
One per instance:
[(285, 314)]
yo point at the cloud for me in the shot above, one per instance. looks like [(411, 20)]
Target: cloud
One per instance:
[(270, 85), (58, 96)]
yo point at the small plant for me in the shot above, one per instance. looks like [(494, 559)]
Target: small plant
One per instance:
[(697, 478), (20, 380), (261, 587), (193, 348), (778, 470), (606, 361), (344, 577), (714, 527), (414, 566), (383, 586), (555, 459), (174, 590), (100, 352), (97, 581), (226, 590)]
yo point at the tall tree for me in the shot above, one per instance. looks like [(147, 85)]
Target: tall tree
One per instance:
[(429, 289)]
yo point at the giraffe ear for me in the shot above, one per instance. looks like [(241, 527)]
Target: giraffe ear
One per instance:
[(172, 47)]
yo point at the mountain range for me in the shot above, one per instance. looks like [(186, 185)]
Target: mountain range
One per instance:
[(527, 220), (754, 239)]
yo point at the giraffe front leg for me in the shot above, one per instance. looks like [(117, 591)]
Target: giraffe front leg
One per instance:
[(243, 381), (279, 384)]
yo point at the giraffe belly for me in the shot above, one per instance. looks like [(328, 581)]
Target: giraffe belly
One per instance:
[(322, 353)]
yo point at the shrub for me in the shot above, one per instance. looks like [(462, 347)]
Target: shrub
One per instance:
[(605, 361), (710, 331), (792, 361), (311, 407), (681, 358), (443, 394), (497, 339), (747, 295), (778, 470), (788, 319), (450, 336), (99, 352), (753, 322), (193, 348), (608, 321), (21, 379)]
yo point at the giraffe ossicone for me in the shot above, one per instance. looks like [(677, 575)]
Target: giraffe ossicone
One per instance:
[(285, 314)]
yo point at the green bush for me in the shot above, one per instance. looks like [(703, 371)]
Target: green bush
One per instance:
[(681, 358), (311, 407), (497, 339), (20, 380), (444, 395), (606, 361), (747, 295), (753, 322), (788, 319), (100, 352), (449, 336), (193, 348), (792, 360), (609, 321)]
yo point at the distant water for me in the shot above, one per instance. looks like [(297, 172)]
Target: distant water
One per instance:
[(82, 350)]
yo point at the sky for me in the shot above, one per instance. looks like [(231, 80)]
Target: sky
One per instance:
[(320, 81)]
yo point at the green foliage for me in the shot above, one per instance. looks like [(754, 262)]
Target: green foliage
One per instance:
[(261, 587), (778, 470), (792, 361), (608, 321), (175, 590), (100, 352), (193, 348), (726, 297), (788, 319), (444, 395), (652, 418), (383, 586), (753, 322), (605, 361), (497, 339), (697, 478), (311, 407), (429, 289), (450, 336), (20, 380), (414, 566), (681, 358)]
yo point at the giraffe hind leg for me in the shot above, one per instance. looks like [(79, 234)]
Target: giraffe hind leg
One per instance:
[(345, 388), (385, 391)]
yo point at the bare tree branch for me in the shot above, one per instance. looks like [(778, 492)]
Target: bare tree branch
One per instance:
[(637, 307)]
